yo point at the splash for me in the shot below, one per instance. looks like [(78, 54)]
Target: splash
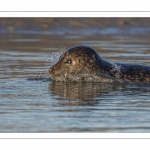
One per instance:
[(82, 76), (54, 57), (39, 78), (88, 78), (116, 69)]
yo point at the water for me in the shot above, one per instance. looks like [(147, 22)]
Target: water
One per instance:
[(46, 106)]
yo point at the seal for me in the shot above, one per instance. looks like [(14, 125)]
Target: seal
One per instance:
[(81, 59)]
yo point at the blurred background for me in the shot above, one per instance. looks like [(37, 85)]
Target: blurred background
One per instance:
[(70, 25)]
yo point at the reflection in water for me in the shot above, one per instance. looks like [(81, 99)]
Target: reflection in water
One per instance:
[(82, 93), (90, 93)]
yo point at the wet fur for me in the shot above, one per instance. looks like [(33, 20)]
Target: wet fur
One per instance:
[(83, 58)]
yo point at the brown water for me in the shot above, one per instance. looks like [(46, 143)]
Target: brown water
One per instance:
[(46, 106)]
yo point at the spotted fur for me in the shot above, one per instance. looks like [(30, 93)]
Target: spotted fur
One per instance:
[(81, 59)]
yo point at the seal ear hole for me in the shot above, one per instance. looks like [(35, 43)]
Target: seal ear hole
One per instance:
[(68, 61)]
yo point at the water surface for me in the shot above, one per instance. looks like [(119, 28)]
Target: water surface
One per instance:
[(46, 106)]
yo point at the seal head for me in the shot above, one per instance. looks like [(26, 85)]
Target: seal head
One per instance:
[(77, 60)]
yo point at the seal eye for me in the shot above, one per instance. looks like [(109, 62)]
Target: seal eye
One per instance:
[(68, 61)]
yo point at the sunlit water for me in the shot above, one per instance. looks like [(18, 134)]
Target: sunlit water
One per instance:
[(46, 106)]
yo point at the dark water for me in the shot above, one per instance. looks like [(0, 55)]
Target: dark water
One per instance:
[(46, 106)]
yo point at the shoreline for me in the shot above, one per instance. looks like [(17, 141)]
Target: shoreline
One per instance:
[(46, 24)]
